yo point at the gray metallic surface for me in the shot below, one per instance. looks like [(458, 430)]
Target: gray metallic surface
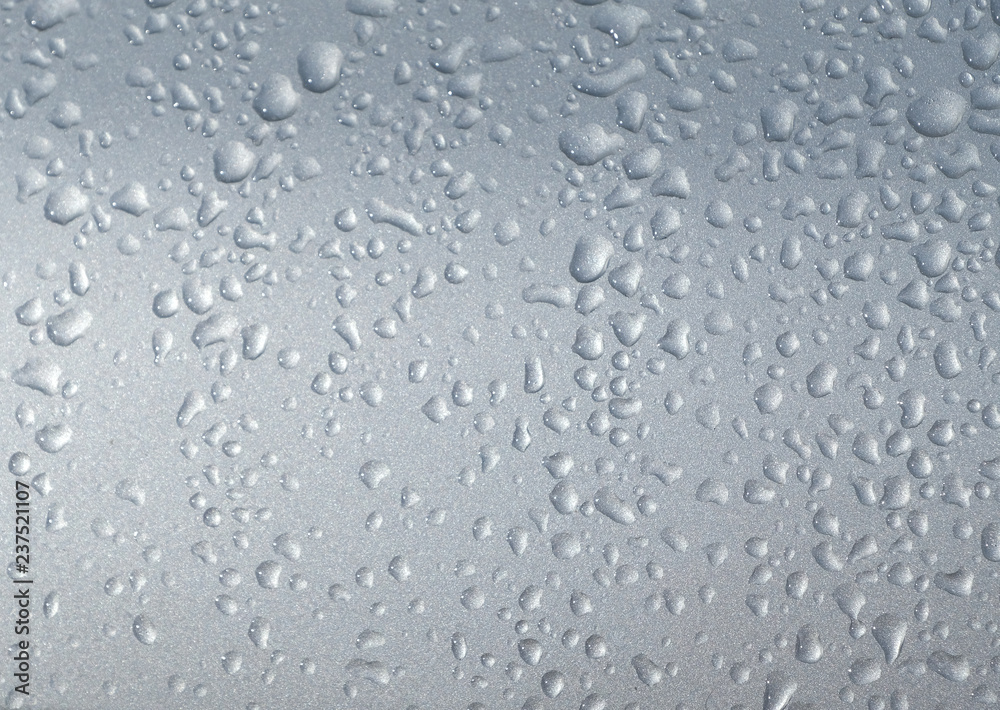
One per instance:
[(397, 354)]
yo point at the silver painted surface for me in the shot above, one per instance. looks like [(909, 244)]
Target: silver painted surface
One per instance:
[(599, 355)]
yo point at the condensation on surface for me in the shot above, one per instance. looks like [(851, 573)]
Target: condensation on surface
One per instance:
[(557, 354)]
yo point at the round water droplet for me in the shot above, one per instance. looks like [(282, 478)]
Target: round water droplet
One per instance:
[(144, 630), (233, 162), (319, 66), (937, 113), (277, 99)]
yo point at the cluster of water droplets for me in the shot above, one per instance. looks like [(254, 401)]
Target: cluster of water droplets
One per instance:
[(580, 354)]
